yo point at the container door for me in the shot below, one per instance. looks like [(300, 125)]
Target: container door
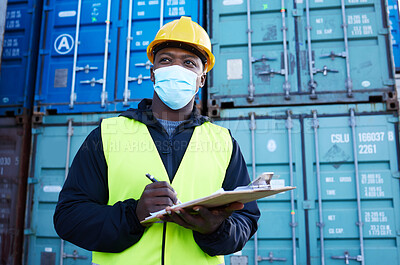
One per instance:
[(281, 234), (352, 177), (19, 58), (51, 151), (254, 46), (350, 61), (78, 56)]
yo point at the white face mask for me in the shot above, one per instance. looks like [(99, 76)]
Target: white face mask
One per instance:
[(175, 85)]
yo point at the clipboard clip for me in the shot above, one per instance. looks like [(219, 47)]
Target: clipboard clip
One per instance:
[(262, 181)]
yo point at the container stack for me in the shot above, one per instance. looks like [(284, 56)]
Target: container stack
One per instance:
[(307, 88), (17, 81), (79, 85)]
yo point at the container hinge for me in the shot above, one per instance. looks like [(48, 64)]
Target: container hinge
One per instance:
[(347, 257), (384, 31), (393, 119), (389, 82), (48, 8), (43, 52), (307, 205), (297, 13), (270, 258), (28, 231), (396, 175), (33, 181)]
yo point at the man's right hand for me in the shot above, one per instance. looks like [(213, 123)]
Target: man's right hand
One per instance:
[(155, 197)]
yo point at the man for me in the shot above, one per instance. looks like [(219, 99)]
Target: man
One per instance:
[(107, 194)]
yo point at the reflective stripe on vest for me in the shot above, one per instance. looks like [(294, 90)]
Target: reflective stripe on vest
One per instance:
[(131, 153)]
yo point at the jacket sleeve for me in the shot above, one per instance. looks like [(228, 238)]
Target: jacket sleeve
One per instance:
[(82, 215), (237, 229)]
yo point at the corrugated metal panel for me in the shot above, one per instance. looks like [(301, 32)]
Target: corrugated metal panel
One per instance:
[(296, 52), (394, 22), (14, 160), (345, 168), (43, 246), (19, 58), (3, 9), (87, 78)]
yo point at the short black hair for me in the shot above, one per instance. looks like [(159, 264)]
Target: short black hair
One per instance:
[(181, 45)]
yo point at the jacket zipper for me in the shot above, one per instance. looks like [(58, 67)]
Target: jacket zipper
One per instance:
[(169, 168)]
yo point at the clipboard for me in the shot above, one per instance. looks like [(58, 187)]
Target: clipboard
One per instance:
[(257, 189)]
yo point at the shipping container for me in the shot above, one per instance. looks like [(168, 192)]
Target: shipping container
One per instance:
[(299, 52), (56, 139), (394, 21), (109, 70), (19, 57), (14, 161), (344, 161)]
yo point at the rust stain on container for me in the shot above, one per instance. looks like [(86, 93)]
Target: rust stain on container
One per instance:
[(15, 140)]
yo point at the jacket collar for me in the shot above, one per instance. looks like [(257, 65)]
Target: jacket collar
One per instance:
[(145, 115)]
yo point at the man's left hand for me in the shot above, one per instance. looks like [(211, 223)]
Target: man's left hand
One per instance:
[(205, 221)]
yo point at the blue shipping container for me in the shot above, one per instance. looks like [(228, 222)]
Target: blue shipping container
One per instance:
[(344, 161), (99, 75), (298, 52), (19, 58), (394, 21)]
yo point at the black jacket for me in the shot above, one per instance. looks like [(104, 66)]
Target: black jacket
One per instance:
[(83, 217)]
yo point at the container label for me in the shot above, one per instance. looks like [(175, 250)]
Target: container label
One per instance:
[(232, 2), (234, 69), (70, 13), (271, 145), (52, 188), (64, 44)]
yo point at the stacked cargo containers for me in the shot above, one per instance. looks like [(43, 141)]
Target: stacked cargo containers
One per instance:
[(307, 89), (106, 73), (394, 21), (20, 24)]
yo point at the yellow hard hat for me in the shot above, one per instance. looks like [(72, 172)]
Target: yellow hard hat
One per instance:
[(183, 33)]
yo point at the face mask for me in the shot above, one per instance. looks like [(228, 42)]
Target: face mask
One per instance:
[(175, 85)]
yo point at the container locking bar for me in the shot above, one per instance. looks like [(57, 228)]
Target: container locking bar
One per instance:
[(72, 97), (87, 68), (271, 258), (263, 58), (349, 82), (286, 84), (92, 81), (252, 127), (352, 123), (74, 255), (347, 257), (70, 133), (106, 41), (320, 222), (324, 70), (127, 92), (251, 88), (139, 78), (146, 64), (293, 224)]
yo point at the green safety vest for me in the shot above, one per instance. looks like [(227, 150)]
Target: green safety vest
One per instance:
[(131, 153)]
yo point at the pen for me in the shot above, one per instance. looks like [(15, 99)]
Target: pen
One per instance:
[(153, 179)]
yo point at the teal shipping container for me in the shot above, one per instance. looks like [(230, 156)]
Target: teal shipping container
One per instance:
[(344, 161), (299, 52), (56, 139)]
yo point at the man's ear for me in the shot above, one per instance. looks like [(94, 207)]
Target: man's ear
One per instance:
[(203, 79), (152, 78)]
